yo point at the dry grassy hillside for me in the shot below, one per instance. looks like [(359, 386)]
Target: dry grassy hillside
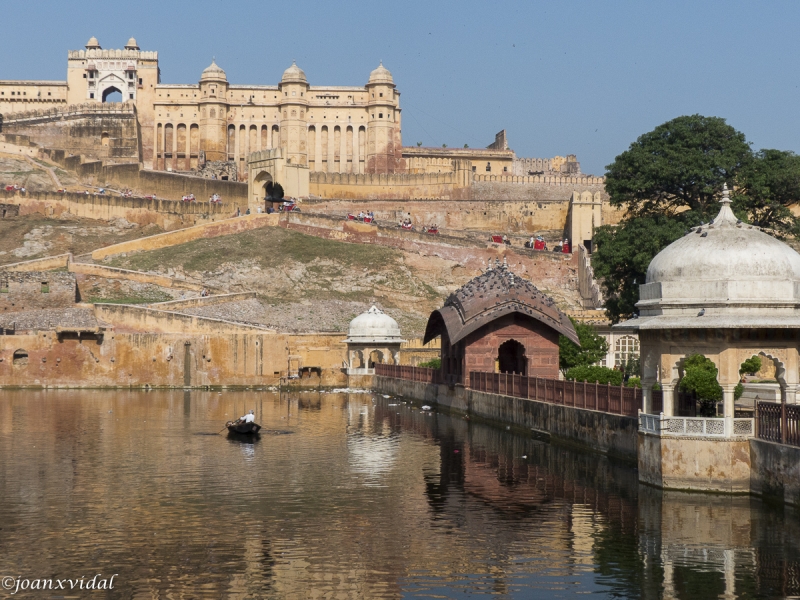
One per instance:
[(308, 283), (36, 236)]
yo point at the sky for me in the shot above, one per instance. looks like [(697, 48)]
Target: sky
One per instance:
[(578, 77)]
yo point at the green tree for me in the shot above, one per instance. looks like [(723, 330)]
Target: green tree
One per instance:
[(592, 349), (593, 373), (766, 187), (751, 365), (624, 252), (700, 379), (680, 165)]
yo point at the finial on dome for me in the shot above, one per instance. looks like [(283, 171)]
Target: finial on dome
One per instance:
[(726, 195), (725, 216)]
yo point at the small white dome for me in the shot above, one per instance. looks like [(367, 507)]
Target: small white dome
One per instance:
[(726, 267), (373, 327), (132, 45), (294, 74), (213, 71), (93, 44), (381, 75)]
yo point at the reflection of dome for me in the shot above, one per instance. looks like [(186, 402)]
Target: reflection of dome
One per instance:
[(373, 327), (93, 44), (381, 75), (294, 73), (495, 293), (727, 268), (132, 45), (213, 71)]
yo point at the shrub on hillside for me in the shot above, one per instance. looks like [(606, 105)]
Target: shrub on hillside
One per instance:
[(594, 374)]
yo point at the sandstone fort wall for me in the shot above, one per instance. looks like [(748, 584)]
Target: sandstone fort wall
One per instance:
[(102, 131), (167, 214), (32, 290), (211, 353)]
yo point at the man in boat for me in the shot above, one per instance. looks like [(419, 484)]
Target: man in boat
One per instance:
[(248, 418)]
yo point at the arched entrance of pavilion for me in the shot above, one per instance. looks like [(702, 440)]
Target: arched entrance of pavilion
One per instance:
[(511, 358)]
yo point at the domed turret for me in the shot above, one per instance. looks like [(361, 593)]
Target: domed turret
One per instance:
[(373, 327), (294, 74), (213, 71), (724, 268), (132, 45), (93, 44), (381, 75)]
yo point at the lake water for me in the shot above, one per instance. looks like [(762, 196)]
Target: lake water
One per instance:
[(344, 496)]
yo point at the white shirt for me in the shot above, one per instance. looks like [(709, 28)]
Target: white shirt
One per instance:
[(248, 418)]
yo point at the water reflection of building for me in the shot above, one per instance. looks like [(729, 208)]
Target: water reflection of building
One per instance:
[(456, 501)]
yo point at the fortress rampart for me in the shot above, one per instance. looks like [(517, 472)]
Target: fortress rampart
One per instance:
[(168, 214)]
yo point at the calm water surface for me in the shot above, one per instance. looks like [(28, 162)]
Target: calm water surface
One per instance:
[(346, 497)]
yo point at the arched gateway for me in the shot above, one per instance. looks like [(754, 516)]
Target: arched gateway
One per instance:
[(499, 322)]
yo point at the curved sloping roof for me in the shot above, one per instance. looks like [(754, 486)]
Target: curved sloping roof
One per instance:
[(495, 293)]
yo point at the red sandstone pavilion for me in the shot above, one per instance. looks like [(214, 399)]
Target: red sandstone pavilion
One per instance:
[(499, 323)]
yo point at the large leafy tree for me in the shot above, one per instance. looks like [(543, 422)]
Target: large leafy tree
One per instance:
[(592, 349), (767, 186), (680, 165), (669, 180), (624, 252)]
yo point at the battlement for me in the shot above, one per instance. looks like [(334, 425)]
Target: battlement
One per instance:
[(74, 111), (112, 54), (555, 180)]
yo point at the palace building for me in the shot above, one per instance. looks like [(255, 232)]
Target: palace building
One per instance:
[(325, 128)]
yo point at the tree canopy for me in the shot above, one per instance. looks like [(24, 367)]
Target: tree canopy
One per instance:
[(680, 165), (766, 187), (592, 349), (669, 180)]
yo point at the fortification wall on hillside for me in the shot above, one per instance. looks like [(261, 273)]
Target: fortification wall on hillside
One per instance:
[(174, 238), (499, 216), (387, 185), (167, 214), (101, 131)]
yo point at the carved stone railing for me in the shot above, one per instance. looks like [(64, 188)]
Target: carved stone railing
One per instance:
[(711, 427)]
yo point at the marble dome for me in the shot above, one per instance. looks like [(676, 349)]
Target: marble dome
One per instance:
[(724, 268), (374, 327), (92, 44), (294, 73), (132, 45), (381, 75), (213, 71)]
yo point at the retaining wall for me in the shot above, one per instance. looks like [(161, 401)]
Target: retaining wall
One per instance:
[(601, 432), (128, 275), (182, 236), (167, 214), (49, 263), (775, 471)]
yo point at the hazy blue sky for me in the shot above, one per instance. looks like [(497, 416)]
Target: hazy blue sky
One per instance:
[(561, 77)]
